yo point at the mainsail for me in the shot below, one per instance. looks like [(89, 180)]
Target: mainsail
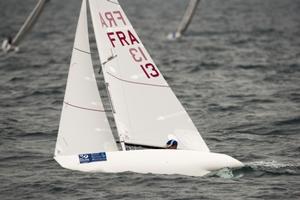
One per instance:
[(146, 110), (83, 126)]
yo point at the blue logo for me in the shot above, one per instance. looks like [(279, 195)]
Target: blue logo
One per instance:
[(92, 157)]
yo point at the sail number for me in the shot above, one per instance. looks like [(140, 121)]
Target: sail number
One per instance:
[(139, 56), (127, 38)]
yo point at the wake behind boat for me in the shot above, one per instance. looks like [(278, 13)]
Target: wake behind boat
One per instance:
[(145, 109)]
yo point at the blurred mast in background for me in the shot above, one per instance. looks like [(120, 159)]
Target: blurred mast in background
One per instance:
[(11, 44), (186, 20)]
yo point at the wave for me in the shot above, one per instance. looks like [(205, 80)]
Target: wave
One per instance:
[(258, 169)]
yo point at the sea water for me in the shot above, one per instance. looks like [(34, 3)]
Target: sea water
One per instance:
[(236, 71)]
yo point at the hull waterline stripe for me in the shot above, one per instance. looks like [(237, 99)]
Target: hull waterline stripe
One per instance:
[(138, 83), (82, 51), (90, 109)]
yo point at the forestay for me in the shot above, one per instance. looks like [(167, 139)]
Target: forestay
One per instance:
[(146, 110), (83, 125)]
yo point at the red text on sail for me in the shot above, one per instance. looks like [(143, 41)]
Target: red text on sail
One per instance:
[(114, 19)]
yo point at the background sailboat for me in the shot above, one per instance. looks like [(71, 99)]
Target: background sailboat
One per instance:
[(10, 44), (145, 109), (186, 20)]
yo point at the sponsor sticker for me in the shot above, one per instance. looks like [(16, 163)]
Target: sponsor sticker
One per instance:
[(92, 157)]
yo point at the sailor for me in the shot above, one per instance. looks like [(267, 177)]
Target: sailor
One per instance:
[(172, 144)]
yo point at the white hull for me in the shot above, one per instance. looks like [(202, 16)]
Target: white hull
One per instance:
[(185, 162)]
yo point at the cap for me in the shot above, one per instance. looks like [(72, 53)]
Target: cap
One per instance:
[(171, 143)]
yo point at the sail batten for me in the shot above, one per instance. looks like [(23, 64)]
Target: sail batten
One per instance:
[(84, 127), (84, 108), (83, 51), (146, 109)]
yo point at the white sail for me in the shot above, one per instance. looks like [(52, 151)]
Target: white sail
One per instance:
[(146, 110), (9, 43), (186, 19), (83, 126), (30, 21)]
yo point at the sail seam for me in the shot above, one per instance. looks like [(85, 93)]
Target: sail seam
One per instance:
[(83, 108), (110, 1), (82, 51), (138, 83)]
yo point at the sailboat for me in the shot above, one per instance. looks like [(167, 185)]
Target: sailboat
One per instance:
[(185, 21), (11, 44), (145, 110)]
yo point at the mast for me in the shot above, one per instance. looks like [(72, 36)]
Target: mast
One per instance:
[(121, 137)]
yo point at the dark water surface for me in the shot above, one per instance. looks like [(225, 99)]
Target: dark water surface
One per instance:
[(237, 73)]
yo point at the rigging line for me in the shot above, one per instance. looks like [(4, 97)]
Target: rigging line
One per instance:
[(90, 109), (138, 83), (82, 51)]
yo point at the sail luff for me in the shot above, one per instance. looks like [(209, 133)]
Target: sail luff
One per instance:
[(84, 127)]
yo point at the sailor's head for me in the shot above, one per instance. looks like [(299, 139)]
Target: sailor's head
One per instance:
[(172, 144)]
